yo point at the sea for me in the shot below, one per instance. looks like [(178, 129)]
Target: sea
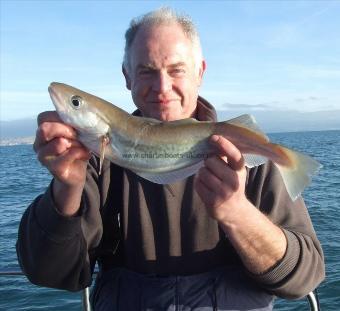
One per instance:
[(23, 178)]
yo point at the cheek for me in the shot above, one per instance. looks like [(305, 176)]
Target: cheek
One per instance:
[(139, 95), (187, 88), (140, 89)]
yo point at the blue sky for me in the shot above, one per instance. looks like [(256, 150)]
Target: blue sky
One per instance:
[(261, 55)]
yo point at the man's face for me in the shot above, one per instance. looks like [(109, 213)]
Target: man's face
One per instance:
[(163, 78)]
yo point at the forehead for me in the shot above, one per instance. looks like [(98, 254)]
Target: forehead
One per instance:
[(161, 45)]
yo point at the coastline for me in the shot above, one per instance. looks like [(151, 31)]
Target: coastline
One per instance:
[(29, 140)]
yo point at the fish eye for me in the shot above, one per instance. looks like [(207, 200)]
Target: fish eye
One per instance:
[(76, 101)]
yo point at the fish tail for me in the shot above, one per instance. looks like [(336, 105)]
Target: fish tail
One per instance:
[(296, 168), (298, 173)]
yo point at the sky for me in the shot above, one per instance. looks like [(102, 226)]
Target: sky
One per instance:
[(261, 55)]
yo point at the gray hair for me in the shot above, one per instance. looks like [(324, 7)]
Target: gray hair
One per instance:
[(164, 15)]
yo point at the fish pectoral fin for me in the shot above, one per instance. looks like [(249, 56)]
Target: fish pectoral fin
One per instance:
[(173, 176), (252, 160), (104, 141)]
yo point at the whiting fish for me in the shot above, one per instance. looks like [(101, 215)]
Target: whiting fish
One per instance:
[(164, 152)]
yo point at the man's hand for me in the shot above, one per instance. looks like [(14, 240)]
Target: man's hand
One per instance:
[(221, 186), (59, 151), (221, 182)]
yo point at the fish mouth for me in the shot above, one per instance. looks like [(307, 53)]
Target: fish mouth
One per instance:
[(55, 97)]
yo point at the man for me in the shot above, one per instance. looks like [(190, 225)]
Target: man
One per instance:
[(226, 239)]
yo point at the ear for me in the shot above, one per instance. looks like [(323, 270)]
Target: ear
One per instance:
[(127, 78), (201, 71)]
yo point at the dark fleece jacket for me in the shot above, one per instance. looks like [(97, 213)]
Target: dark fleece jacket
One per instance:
[(162, 230)]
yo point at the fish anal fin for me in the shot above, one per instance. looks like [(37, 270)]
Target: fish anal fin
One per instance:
[(252, 160), (173, 176)]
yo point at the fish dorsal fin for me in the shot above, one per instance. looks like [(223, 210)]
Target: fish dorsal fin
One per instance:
[(150, 120), (247, 121), (171, 177), (184, 121)]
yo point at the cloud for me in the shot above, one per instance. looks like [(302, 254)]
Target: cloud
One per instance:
[(290, 120), (22, 96), (230, 106), (315, 14), (319, 72), (292, 33), (283, 35), (308, 99)]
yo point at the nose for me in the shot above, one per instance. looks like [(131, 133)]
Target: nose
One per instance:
[(162, 83)]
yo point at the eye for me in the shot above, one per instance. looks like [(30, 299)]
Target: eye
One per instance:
[(76, 101), (177, 71), (145, 72)]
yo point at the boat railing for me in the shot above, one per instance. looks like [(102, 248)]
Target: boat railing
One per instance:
[(312, 297)]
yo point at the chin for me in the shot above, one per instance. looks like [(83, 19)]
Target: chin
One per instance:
[(169, 118), (164, 116)]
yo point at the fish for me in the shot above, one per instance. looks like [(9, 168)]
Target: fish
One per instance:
[(164, 152)]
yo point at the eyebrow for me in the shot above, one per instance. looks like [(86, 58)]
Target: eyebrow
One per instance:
[(152, 67), (146, 66), (178, 64)]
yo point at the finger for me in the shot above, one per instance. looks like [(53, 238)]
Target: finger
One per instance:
[(60, 166), (54, 148), (58, 146), (219, 178), (74, 154), (206, 195), (48, 116), (220, 168), (48, 131), (226, 148), (209, 179)]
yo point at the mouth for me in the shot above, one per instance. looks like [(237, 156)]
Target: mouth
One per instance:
[(166, 102)]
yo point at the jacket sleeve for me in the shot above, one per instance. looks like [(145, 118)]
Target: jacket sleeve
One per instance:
[(58, 251), (302, 268)]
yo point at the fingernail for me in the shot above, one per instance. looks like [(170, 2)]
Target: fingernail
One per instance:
[(72, 133), (215, 138), (68, 144)]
